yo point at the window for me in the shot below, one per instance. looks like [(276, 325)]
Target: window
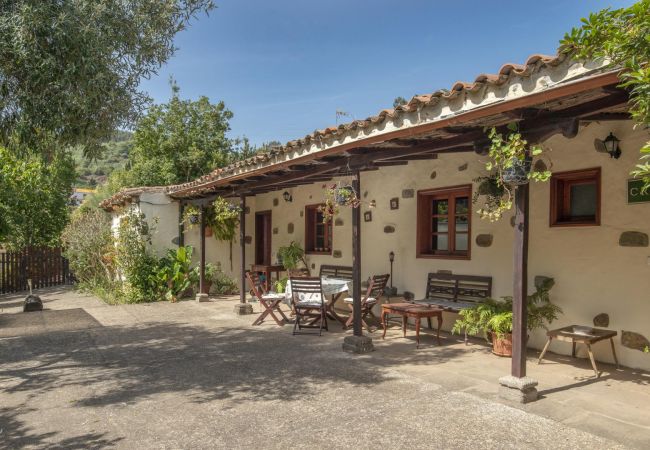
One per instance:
[(575, 198), (318, 235), (444, 218)]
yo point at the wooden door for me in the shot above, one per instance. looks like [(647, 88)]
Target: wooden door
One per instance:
[(263, 233)]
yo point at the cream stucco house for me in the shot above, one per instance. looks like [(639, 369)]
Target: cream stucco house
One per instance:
[(588, 227)]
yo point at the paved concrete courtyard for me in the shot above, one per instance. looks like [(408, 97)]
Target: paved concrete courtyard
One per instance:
[(193, 375)]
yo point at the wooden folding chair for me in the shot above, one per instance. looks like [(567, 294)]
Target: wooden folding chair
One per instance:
[(376, 287), (270, 302), (309, 303)]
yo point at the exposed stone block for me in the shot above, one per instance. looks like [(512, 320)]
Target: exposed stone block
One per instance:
[(337, 254), (276, 230), (463, 167), (242, 309), (433, 175), (521, 390), (338, 222), (247, 210), (176, 240), (601, 320), (248, 239), (633, 340), (389, 229), (358, 344), (276, 202), (484, 240), (290, 228), (408, 193), (633, 239)]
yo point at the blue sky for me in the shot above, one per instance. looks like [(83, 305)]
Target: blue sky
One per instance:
[(285, 67)]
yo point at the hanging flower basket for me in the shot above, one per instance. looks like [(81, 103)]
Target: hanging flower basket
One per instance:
[(194, 219), (517, 172), (337, 196)]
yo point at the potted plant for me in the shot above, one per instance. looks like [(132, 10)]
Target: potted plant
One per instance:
[(191, 216), (493, 317), (510, 165), (210, 276), (291, 255)]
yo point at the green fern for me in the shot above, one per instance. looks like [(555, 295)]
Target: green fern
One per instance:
[(495, 316)]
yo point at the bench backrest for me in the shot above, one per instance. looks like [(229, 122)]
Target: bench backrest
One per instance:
[(465, 288), (343, 272)]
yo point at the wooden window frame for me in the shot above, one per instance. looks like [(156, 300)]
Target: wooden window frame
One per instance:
[(559, 183), (424, 223), (310, 231)]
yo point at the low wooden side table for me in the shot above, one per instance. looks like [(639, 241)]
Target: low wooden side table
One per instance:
[(577, 334), (407, 310)]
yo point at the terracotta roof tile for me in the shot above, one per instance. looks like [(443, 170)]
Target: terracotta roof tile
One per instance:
[(504, 74)]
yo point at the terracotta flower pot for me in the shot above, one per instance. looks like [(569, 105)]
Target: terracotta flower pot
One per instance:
[(502, 346), (208, 232)]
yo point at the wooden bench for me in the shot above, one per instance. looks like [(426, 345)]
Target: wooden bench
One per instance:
[(454, 293), (342, 272)]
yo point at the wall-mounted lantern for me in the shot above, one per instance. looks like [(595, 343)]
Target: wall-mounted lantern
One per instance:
[(287, 197), (609, 145)]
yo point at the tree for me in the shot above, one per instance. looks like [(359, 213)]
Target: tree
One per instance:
[(70, 69), (622, 36), (179, 141), (34, 198)]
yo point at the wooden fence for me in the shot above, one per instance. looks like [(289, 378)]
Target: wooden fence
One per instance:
[(44, 266)]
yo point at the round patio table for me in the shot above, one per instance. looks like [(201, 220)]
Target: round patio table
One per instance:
[(332, 289)]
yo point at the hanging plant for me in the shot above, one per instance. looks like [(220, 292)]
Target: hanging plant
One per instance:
[(191, 216), (337, 196), (223, 218), (510, 165)]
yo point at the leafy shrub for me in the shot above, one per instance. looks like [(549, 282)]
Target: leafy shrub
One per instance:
[(222, 284), (89, 247), (174, 274), (135, 263), (495, 316)]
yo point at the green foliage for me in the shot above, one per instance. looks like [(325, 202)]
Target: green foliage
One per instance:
[(222, 284), (223, 217), (134, 259), (621, 36), (191, 216), (174, 273), (505, 153), (179, 141), (34, 197), (291, 255), (88, 243), (114, 157), (281, 285), (70, 69), (495, 316)]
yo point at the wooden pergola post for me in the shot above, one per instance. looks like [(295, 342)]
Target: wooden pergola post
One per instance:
[(520, 283), (202, 296), (357, 343), (242, 307), (356, 261), (181, 225), (518, 386)]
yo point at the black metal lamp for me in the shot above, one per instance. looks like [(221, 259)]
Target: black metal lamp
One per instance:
[(287, 197), (611, 144), (391, 258)]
